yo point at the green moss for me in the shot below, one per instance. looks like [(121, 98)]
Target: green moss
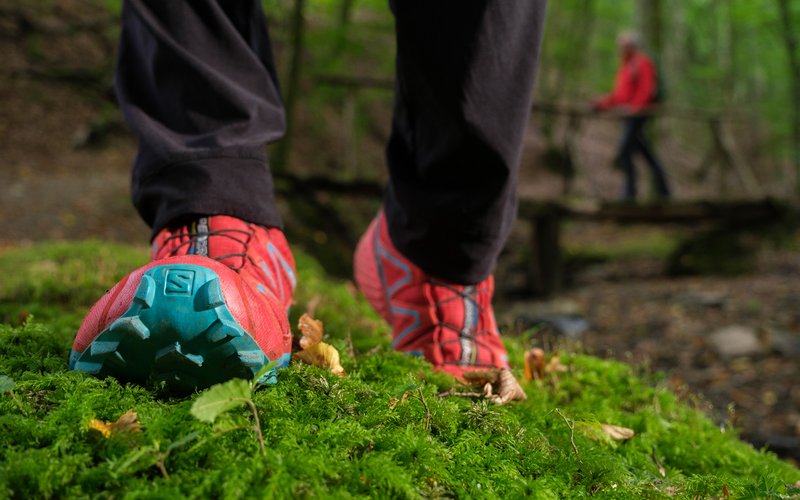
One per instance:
[(340, 437)]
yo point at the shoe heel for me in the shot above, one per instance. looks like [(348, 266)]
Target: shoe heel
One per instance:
[(179, 329)]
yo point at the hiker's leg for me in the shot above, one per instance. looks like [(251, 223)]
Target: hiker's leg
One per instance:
[(465, 75), (196, 83), (645, 148), (625, 150)]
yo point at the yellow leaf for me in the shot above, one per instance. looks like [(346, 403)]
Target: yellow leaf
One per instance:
[(127, 423), (100, 427), (311, 330), (322, 355)]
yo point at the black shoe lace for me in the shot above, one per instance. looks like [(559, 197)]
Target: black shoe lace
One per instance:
[(469, 293), (231, 234)]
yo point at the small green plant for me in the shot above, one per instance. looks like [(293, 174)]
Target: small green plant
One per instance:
[(221, 398)]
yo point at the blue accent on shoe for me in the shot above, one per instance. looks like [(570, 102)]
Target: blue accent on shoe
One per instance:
[(410, 328), (178, 329), (269, 275), (271, 377), (276, 255)]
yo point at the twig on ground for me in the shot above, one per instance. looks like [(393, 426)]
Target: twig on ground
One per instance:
[(427, 410), (661, 469), (257, 425), (161, 464), (452, 392), (571, 426)]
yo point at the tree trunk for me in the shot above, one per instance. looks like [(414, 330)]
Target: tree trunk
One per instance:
[(650, 22), (343, 25), (281, 157), (792, 48)]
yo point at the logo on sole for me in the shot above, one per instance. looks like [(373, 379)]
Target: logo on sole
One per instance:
[(179, 282)]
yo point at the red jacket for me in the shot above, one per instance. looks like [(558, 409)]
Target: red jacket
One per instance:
[(635, 85)]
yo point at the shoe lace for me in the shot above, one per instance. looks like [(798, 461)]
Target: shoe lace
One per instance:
[(466, 293), (240, 236)]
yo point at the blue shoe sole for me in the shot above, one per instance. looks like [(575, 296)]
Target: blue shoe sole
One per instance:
[(178, 329)]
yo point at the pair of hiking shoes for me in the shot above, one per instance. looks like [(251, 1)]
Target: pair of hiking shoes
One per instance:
[(213, 304)]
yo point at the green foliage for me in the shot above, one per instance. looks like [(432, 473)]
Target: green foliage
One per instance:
[(221, 398), (356, 436), (714, 55)]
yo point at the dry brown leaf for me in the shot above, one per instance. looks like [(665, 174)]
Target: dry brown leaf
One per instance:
[(312, 331), (127, 423), (554, 365), (616, 432), (322, 355), (508, 389), (479, 378), (394, 402), (534, 364), (499, 385)]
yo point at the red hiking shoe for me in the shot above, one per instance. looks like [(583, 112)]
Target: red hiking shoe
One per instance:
[(212, 305), (452, 325)]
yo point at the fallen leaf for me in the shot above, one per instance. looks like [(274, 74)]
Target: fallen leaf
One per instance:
[(480, 378), (127, 423), (616, 432), (554, 365), (322, 355), (101, 427), (499, 385), (220, 398), (534, 364), (312, 331), (394, 402), (610, 434), (24, 317)]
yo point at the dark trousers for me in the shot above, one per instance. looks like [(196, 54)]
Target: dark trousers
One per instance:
[(197, 83), (634, 141)]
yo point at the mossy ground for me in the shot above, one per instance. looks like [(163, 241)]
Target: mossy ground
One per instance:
[(339, 437)]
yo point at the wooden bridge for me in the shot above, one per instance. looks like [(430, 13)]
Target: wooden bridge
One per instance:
[(546, 273)]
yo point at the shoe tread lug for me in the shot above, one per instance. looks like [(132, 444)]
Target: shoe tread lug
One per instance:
[(130, 325), (157, 344), (145, 292)]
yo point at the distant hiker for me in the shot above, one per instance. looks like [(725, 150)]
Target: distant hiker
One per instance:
[(197, 84), (635, 90)]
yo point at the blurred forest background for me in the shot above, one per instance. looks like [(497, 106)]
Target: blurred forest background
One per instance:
[(728, 131)]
